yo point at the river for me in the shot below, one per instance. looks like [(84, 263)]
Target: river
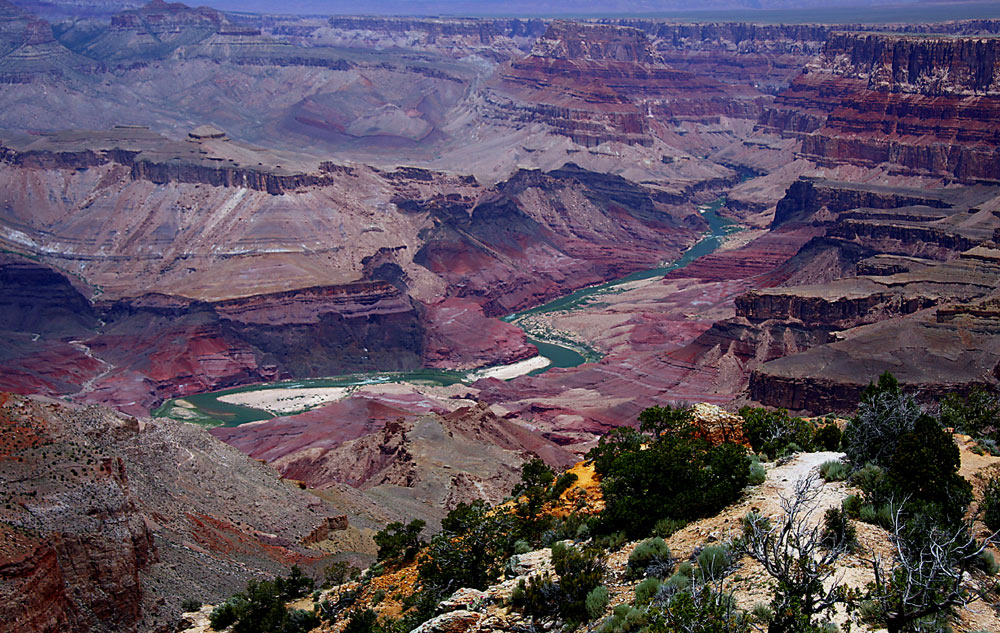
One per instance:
[(209, 410)]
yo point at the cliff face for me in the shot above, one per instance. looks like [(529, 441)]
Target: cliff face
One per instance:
[(152, 158), (104, 515), (311, 332), (921, 105), (598, 83), (493, 39), (445, 457), (478, 250), (914, 253), (923, 65), (80, 536)]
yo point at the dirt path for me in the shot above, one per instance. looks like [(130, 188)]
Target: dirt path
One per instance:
[(88, 385)]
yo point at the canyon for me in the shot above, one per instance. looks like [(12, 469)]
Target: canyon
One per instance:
[(193, 201)]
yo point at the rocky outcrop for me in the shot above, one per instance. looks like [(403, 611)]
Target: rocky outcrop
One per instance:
[(494, 39), (923, 65), (596, 83), (922, 104), (568, 217), (806, 197), (443, 457), (310, 332), (108, 522), (153, 158), (29, 50)]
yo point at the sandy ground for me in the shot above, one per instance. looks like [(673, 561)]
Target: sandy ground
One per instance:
[(506, 372), (282, 401)]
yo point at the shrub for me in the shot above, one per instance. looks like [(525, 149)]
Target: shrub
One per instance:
[(837, 529), (190, 605), (226, 613), (650, 558), (758, 474), (678, 474), (579, 572), (471, 549), (645, 590), (975, 413), (702, 610), (678, 582), (261, 608), (624, 619), (867, 514), (828, 437), (773, 432), (988, 564), (833, 470), (924, 469), (714, 561), (399, 542), (762, 612), (562, 484), (884, 414), (990, 505), (869, 479), (852, 506), (363, 621), (665, 528), (611, 542), (597, 601), (521, 547), (337, 572)]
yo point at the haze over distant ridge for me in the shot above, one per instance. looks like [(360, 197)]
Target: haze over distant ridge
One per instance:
[(486, 8)]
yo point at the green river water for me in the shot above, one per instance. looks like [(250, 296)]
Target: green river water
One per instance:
[(207, 409)]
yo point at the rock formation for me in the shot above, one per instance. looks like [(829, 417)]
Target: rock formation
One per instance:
[(105, 516)]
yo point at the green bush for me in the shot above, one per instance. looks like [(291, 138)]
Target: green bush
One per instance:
[(650, 558), (399, 542), (471, 550), (611, 542), (884, 415), (227, 613), (976, 413), (597, 602), (261, 607), (924, 470), (703, 610), (714, 561), (852, 506), (988, 564), (834, 470), (579, 572), (868, 514), (837, 529), (773, 432), (758, 474), (624, 619), (678, 582), (828, 437), (990, 505), (645, 590), (665, 528), (190, 605), (677, 475), (362, 621), (869, 478), (562, 484)]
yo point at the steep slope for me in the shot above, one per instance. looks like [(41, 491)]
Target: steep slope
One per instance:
[(110, 521), (418, 464)]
